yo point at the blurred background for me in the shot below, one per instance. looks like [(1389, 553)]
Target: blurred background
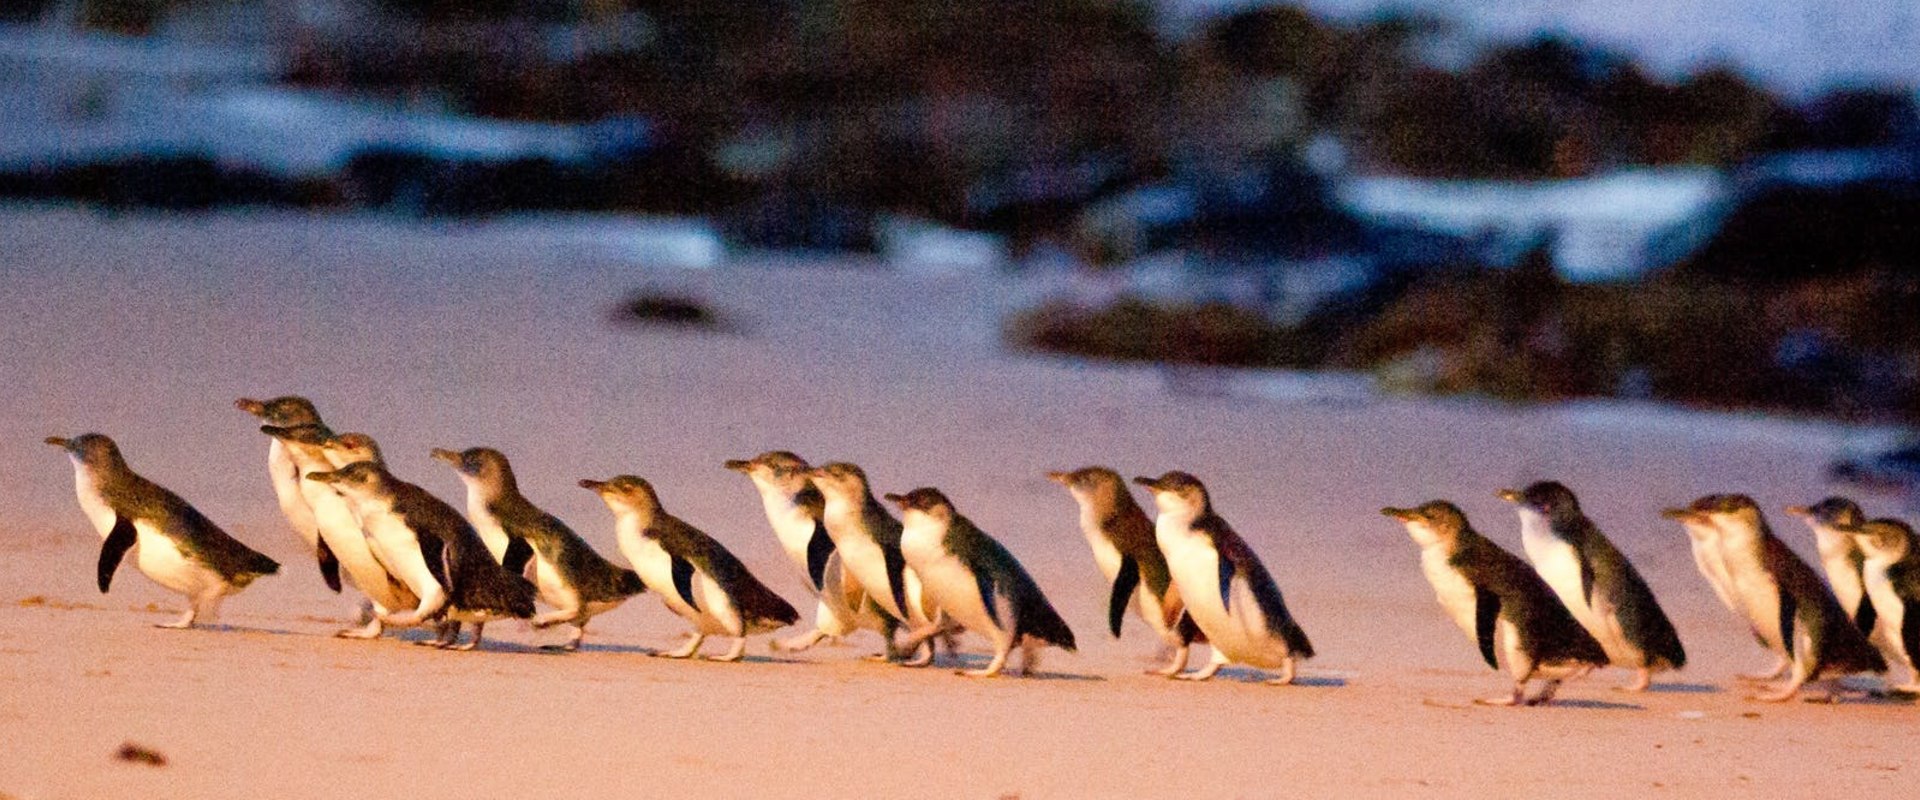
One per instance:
[(1707, 202)]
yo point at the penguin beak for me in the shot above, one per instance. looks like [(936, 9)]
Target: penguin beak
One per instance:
[(1510, 496), (448, 456), (1402, 514), (1682, 514), (1151, 483), (591, 484), (321, 477), (897, 500), (1800, 511), (1058, 477), (64, 444), (739, 466), (251, 406)]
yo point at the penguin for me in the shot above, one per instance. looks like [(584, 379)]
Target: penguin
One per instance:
[(511, 552), (1704, 539), (695, 576), (867, 537), (1833, 522), (794, 506), (1227, 590), (1789, 609), (339, 529), (435, 552), (1500, 603), (289, 411), (1596, 582), (1891, 570), (1121, 535), (569, 575), (179, 548), (977, 581)]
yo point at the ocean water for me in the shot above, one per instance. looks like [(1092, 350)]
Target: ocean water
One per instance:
[(1796, 46)]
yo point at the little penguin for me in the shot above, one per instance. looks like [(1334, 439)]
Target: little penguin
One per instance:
[(1596, 582), (794, 508), (1704, 538), (1121, 535), (570, 576), (1892, 578), (868, 540), (340, 531), (1789, 609), (179, 548), (977, 581), (1834, 522), (1227, 590), (289, 411), (1500, 603), (427, 544), (695, 576)]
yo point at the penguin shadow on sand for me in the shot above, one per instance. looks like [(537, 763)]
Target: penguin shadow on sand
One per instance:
[(949, 661), (1246, 675)]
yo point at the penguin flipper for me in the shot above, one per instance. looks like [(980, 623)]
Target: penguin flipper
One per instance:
[(329, 566), (1124, 585), (1789, 608), (1586, 577), (984, 580), (1866, 616), (1226, 583), (683, 580), (819, 549), (118, 542), (517, 555), (1486, 612), (897, 576), (1910, 629)]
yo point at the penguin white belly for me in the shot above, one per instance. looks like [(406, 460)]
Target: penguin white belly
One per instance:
[(1557, 563), (843, 603), (1758, 594), (794, 528), (1890, 612), (99, 513), (1706, 556), (489, 527), (340, 528), (655, 568), (289, 491), (553, 587), (1238, 632), (1519, 664), (1457, 596), (868, 565), (160, 558), (718, 614), (398, 550), (1843, 577), (954, 589)]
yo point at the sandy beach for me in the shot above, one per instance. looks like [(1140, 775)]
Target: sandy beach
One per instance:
[(456, 335)]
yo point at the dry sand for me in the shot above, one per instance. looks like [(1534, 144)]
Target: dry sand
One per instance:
[(147, 329)]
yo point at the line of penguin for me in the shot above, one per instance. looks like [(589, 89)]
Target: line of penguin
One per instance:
[(920, 578)]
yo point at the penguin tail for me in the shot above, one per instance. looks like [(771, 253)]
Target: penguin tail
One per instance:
[(1297, 642), (630, 583), (1047, 626)]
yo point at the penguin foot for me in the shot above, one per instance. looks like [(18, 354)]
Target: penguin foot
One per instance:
[(1779, 695), (1204, 673), (920, 660), (465, 646), (370, 628), (687, 650), (1510, 700), (1286, 675), (983, 672), (1642, 678), (176, 625), (737, 652)]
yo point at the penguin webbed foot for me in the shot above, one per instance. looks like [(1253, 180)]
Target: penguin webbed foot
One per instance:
[(470, 644), (733, 654), (1173, 667), (687, 650), (1286, 675), (1642, 678)]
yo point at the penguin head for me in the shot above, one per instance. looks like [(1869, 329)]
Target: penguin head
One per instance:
[(484, 467), (349, 448), (777, 469), (925, 500), (840, 479), (1837, 513), (1884, 538), (1432, 522), (623, 493), (302, 435), (1096, 486), (284, 411), (358, 480), (1728, 513), (1696, 523), (92, 450), (1177, 493), (1549, 498)]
